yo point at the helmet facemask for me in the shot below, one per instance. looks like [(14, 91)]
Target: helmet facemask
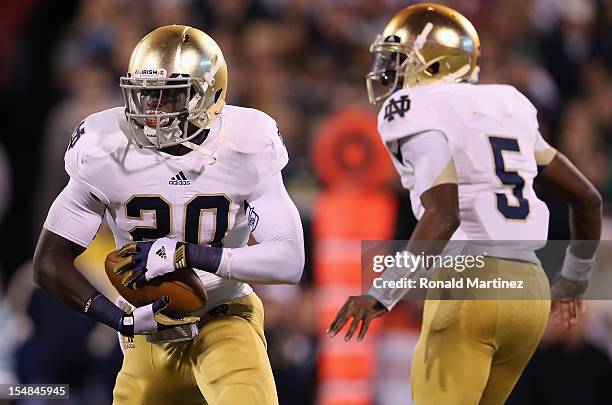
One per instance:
[(386, 74), (394, 62), (159, 109)]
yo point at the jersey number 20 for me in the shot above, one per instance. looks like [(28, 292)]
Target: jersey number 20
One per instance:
[(508, 178), (219, 205)]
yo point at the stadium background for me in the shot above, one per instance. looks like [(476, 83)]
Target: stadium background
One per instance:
[(303, 63)]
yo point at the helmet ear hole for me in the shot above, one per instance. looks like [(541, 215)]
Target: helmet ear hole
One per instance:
[(434, 68), (218, 94)]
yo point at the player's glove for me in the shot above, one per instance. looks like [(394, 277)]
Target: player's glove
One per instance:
[(147, 260), (149, 319), (141, 321)]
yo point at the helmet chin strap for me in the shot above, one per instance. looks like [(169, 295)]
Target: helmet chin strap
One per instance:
[(174, 131), (200, 149), (211, 158)]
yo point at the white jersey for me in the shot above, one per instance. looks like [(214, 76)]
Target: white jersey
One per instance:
[(491, 136), (148, 194)]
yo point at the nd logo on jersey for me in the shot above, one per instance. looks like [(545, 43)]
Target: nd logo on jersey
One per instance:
[(394, 106)]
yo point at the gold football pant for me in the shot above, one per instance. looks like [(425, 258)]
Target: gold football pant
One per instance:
[(226, 364), (473, 351)]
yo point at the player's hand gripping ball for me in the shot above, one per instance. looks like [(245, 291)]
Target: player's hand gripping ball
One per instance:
[(146, 260), (186, 292)]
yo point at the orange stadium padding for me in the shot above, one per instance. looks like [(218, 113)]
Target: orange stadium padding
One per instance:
[(341, 392), (349, 360), (354, 206), (347, 149), (337, 272), (355, 213)]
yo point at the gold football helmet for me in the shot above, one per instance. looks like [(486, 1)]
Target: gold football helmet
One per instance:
[(175, 86), (423, 44)]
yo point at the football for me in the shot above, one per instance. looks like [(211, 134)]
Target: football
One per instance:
[(184, 288)]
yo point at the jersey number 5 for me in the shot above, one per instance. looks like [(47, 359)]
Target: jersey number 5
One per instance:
[(218, 205), (509, 178)]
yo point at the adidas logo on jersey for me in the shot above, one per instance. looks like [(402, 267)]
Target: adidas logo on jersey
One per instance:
[(179, 180), (162, 253)]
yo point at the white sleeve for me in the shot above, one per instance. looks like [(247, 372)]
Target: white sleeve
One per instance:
[(75, 214), (278, 257), (430, 157)]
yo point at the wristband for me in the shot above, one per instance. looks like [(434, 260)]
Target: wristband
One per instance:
[(575, 268), (99, 308), (203, 257)]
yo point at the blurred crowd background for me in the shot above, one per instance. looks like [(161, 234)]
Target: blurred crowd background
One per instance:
[(301, 62)]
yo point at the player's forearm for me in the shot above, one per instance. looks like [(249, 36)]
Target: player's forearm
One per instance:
[(585, 212), (75, 291), (585, 225), (437, 225), (270, 262), (430, 237), (54, 272)]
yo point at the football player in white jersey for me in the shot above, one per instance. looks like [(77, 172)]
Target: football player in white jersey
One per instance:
[(176, 169), (470, 154)]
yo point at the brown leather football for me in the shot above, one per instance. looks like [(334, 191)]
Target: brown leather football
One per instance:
[(184, 288)]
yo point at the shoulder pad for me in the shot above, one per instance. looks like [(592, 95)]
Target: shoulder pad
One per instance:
[(254, 133), (89, 145), (530, 110), (407, 112), (247, 130)]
